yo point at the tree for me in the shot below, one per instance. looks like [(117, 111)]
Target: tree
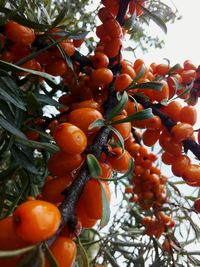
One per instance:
[(67, 141)]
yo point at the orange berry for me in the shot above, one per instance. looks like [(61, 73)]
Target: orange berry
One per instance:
[(83, 117), (70, 138), (101, 77), (167, 158), (119, 161), (61, 163), (173, 110), (182, 131), (123, 128), (122, 82), (162, 69), (19, 34), (112, 28), (188, 76), (150, 137), (36, 220), (100, 60), (112, 47), (188, 114), (64, 250), (180, 165), (81, 213), (192, 175), (57, 67)]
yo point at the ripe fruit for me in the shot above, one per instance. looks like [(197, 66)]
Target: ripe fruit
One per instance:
[(61, 163), (64, 250), (119, 160), (182, 131), (101, 76), (100, 60), (123, 128), (122, 82), (70, 138), (91, 191), (188, 114), (83, 117), (36, 220), (19, 34)]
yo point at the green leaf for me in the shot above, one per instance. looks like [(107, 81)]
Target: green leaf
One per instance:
[(155, 18), (93, 166), (46, 100), (33, 105), (105, 207), (141, 115), (22, 158), (24, 183), (51, 259), (7, 126), (16, 252), (139, 76), (12, 67), (120, 106), (37, 145), (185, 92), (130, 22), (97, 123), (7, 94), (41, 258), (84, 256), (173, 68), (148, 85), (60, 16), (119, 136), (22, 20)]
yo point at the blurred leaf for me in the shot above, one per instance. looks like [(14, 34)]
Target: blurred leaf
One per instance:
[(173, 68), (46, 100), (97, 123), (41, 258), (51, 259), (24, 183), (37, 145), (148, 85), (84, 257), (33, 105), (155, 18), (110, 258), (120, 106), (23, 159), (139, 76), (17, 252), (93, 166), (141, 115), (12, 67), (60, 16), (7, 126), (119, 137), (105, 208)]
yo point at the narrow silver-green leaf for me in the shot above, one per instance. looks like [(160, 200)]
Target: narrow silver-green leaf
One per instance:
[(105, 207), (148, 85), (155, 18), (7, 126), (141, 115), (97, 123), (84, 256), (173, 68), (120, 106), (93, 166), (139, 76), (51, 259), (12, 67), (119, 136), (60, 16), (16, 252)]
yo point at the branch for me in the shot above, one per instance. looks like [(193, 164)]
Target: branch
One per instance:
[(188, 144)]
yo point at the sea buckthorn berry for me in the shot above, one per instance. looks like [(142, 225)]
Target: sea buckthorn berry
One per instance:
[(86, 104), (188, 114), (119, 160), (197, 205), (81, 213), (123, 128), (173, 110), (122, 82), (91, 190), (162, 69), (9, 240), (112, 28), (188, 65), (100, 60), (70, 138), (19, 34), (150, 137), (188, 76), (192, 175), (52, 189), (101, 77), (106, 170), (36, 220), (61, 163), (32, 135), (163, 93), (182, 131), (172, 85), (180, 165), (167, 158), (112, 47), (64, 250), (104, 14), (57, 67), (83, 117), (135, 7)]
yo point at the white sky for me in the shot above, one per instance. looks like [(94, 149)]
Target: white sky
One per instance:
[(183, 38)]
